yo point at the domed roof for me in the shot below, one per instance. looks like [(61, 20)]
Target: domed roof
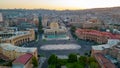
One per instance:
[(54, 25)]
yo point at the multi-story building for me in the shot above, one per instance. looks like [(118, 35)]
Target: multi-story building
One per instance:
[(45, 20), (94, 35), (91, 24), (36, 20), (9, 41), (104, 62), (107, 55), (13, 52), (17, 37), (55, 29), (1, 17), (100, 48), (23, 61), (113, 51)]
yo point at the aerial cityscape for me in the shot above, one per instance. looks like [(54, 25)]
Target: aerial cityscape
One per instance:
[(60, 34)]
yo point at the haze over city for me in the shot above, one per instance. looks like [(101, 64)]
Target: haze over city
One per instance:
[(59, 33), (58, 4)]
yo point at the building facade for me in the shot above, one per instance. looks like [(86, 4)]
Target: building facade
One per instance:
[(13, 52), (54, 28), (104, 62), (107, 55), (94, 35), (1, 17), (17, 38)]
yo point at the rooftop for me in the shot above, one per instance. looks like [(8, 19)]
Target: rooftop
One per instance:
[(23, 59), (98, 33), (24, 49), (111, 42), (11, 47), (104, 61), (15, 34), (111, 59)]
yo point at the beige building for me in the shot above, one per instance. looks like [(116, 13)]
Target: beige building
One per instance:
[(91, 35), (36, 20), (90, 25), (45, 20), (18, 37), (94, 35), (13, 52), (1, 17), (55, 29)]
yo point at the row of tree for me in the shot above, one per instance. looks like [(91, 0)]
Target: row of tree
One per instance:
[(40, 27), (72, 30)]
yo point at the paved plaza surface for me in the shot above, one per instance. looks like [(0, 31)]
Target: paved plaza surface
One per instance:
[(60, 47)]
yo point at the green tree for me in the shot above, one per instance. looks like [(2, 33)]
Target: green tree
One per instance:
[(77, 65), (86, 54), (91, 59), (35, 62), (62, 61), (72, 58), (93, 65), (89, 54), (74, 65), (51, 66), (52, 59), (72, 29), (8, 63), (83, 60)]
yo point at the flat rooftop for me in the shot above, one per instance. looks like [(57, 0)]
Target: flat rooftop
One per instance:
[(110, 43), (10, 47)]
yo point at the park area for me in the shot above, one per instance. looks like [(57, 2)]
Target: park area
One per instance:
[(73, 61)]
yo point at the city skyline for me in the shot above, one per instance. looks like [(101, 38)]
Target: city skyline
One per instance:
[(58, 4), (59, 34)]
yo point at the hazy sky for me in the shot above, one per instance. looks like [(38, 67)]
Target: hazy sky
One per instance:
[(58, 4)]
